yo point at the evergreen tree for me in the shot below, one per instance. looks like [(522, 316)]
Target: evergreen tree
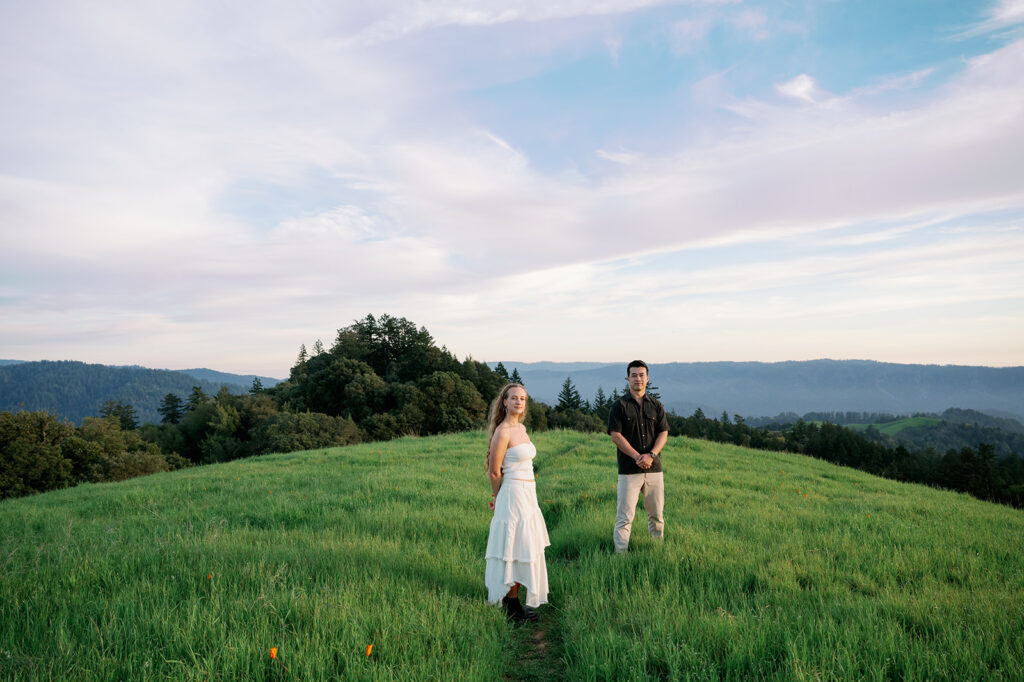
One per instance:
[(196, 398), (569, 398), (257, 386), (318, 347), (124, 413), (171, 409), (515, 378), (602, 405), (502, 372)]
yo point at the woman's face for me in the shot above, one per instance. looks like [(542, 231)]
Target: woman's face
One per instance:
[(515, 401)]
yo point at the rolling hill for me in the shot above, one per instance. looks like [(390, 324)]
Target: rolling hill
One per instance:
[(75, 390), (366, 562), (755, 389)]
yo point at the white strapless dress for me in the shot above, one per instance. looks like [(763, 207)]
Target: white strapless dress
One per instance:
[(515, 547)]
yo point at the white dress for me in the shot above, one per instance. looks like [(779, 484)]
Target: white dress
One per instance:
[(515, 547)]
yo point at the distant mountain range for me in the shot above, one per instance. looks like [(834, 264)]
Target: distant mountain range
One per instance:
[(756, 389), (75, 390)]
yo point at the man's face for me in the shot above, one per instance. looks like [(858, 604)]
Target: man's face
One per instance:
[(637, 378)]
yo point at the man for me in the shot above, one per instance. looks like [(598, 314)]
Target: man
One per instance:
[(639, 428)]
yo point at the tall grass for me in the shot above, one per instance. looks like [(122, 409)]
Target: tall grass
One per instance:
[(774, 566)]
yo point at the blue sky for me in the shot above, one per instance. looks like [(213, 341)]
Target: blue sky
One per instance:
[(196, 184)]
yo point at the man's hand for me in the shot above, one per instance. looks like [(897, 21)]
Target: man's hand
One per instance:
[(645, 461)]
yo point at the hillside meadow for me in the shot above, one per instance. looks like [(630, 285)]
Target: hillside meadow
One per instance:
[(366, 563), (894, 427)]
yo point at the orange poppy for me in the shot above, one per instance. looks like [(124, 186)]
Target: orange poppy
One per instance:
[(369, 648), (273, 652)]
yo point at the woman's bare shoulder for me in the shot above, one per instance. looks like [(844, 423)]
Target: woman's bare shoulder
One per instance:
[(502, 433)]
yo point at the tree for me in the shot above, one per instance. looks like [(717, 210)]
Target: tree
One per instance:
[(288, 432), (602, 405), (318, 347), (171, 409), (393, 347), (196, 398), (124, 453), (569, 398), (515, 378), (123, 412), (31, 457), (450, 403), (257, 386), (500, 370)]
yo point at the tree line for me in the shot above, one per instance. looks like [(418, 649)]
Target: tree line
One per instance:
[(383, 377)]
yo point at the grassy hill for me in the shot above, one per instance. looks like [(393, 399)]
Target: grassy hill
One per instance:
[(774, 566), (894, 427)]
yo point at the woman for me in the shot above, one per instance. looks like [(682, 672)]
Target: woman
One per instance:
[(515, 547)]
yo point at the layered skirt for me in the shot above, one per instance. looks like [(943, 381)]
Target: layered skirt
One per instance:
[(515, 547)]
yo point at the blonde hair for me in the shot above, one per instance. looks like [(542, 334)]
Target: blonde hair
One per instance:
[(497, 413)]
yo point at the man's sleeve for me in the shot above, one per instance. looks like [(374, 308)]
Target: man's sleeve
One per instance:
[(662, 419), (615, 417)]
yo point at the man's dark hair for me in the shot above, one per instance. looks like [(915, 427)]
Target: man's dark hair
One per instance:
[(637, 363)]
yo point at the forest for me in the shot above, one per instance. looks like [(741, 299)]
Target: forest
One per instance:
[(383, 378)]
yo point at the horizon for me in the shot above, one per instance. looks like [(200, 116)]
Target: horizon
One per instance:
[(511, 364), (194, 185)]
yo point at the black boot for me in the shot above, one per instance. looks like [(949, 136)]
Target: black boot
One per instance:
[(515, 611)]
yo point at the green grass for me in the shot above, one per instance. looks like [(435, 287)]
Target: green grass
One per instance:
[(774, 566), (892, 428)]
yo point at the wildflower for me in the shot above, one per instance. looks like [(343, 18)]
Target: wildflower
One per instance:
[(210, 577), (273, 652), (369, 648)]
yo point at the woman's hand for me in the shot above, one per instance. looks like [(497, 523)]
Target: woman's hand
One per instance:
[(490, 505)]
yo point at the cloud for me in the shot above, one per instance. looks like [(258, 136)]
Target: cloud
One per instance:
[(614, 44), (398, 19), (802, 87), (271, 174), (753, 23), (1003, 16), (689, 35), (1008, 12)]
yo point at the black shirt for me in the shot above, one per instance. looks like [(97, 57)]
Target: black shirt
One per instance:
[(640, 426)]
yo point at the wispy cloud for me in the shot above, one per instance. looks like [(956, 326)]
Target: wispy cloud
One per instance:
[(1002, 16), (188, 172), (802, 87)]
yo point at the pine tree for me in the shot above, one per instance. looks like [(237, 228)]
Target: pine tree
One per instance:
[(196, 398), (569, 398), (257, 386), (124, 412), (170, 409), (602, 404), (501, 371), (515, 378)]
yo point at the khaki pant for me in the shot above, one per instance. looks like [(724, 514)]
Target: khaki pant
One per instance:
[(630, 487)]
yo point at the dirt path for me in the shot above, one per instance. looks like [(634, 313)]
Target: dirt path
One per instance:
[(538, 654)]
